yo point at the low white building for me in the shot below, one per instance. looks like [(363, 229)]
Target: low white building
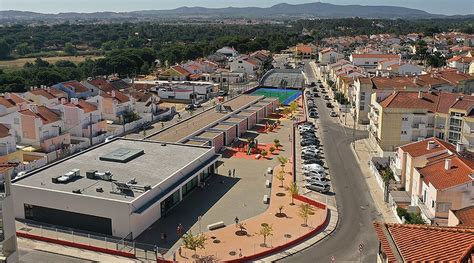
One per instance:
[(95, 190), (244, 65), (371, 60)]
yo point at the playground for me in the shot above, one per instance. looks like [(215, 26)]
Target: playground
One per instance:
[(286, 96)]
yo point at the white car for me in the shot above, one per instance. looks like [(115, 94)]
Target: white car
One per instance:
[(311, 152), (310, 148), (317, 180), (315, 174), (313, 167), (323, 188)]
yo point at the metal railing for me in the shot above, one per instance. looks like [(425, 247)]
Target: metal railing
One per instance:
[(140, 250)]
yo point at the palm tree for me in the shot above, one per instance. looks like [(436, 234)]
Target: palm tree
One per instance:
[(280, 208), (281, 177), (282, 160), (277, 143), (265, 231), (264, 153), (272, 149), (293, 189), (304, 212), (387, 176)]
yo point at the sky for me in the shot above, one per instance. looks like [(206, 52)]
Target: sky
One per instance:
[(447, 7)]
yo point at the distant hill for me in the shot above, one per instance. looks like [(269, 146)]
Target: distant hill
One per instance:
[(310, 10)]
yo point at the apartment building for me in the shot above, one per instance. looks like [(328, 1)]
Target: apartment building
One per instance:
[(329, 56), (48, 96), (407, 116)]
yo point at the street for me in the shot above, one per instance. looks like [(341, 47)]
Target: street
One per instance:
[(355, 205)]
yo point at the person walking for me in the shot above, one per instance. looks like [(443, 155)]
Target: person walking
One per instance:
[(236, 221), (230, 173), (179, 251), (233, 172)]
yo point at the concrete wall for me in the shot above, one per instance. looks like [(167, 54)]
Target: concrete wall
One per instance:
[(118, 212), (252, 120)]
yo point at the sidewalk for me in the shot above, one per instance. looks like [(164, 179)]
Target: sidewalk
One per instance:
[(364, 153)]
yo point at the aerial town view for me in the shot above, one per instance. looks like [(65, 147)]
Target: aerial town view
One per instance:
[(236, 131)]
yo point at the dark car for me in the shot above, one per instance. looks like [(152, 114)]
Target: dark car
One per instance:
[(329, 105), (189, 107)]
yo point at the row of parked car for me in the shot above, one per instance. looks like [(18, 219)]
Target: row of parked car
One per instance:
[(313, 170)]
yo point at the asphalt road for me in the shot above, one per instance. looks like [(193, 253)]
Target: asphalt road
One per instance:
[(355, 205)]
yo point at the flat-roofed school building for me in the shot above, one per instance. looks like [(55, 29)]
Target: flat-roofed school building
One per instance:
[(118, 188)]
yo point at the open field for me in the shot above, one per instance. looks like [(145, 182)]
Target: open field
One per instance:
[(18, 63)]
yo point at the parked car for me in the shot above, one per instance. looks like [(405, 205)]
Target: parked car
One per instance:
[(315, 174), (319, 187), (316, 180), (313, 167), (333, 114), (309, 151), (329, 105), (312, 148)]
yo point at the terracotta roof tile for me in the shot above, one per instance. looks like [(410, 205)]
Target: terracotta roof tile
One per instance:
[(181, 70), (396, 83), (465, 216), (381, 56), (6, 103), (458, 173), (420, 148), (102, 84), (46, 115), (76, 86), (84, 105), (44, 93), (423, 243)]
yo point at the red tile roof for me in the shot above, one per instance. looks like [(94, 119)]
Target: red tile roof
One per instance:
[(102, 84), (84, 105), (422, 243), (4, 131), (46, 115), (76, 86), (465, 216), (181, 70), (381, 56), (44, 93), (440, 102), (396, 83), (117, 95), (420, 148), (458, 173), (6, 103)]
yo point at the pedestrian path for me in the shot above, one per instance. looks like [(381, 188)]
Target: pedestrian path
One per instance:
[(364, 153)]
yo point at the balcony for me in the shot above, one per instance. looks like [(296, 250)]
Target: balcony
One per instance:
[(425, 210), (440, 126)]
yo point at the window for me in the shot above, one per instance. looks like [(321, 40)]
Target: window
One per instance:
[(404, 118), (432, 203), (367, 62), (361, 107), (362, 96), (404, 132), (443, 207)]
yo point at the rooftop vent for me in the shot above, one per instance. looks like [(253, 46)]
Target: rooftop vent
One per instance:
[(67, 177), (431, 145), (122, 155), (447, 164)]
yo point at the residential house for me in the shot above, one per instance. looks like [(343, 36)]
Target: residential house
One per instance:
[(460, 63), (145, 103), (404, 69), (174, 73), (83, 119), (329, 56), (49, 97), (74, 89), (303, 51), (10, 103), (7, 142), (371, 60), (463, 217), (112, 105), (447, 183), (40, 127), (187, 91), (244, 64), (422, 243), (228, 52), (98, 86), (407, 116)]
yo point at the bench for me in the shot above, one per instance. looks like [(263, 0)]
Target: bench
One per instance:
[(258, 156), (266, 199), (268, 184), (215, 225)]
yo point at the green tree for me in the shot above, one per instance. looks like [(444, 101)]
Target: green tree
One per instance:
[(281, 177), (194, 242), (5, 49), (305, 210), (69, 49), (23, 49), (265, 231), (282, 160), (293, 190), (387, 176)]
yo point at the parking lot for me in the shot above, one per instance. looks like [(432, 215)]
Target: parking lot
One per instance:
[(313, 151)]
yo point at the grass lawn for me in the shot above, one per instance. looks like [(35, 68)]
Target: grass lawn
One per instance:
[(18, 63)]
